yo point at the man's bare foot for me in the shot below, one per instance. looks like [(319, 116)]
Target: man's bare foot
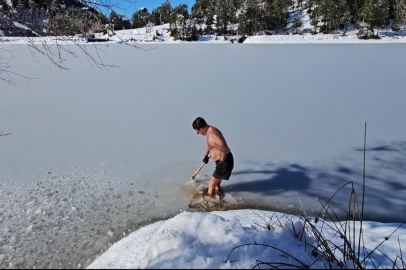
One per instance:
[(206, 193), (220, 194), (219, 190)]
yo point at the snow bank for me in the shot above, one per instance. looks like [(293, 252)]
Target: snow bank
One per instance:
[(203, 240), (232, 239)]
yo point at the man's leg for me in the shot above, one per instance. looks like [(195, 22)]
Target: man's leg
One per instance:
[(214, 184)]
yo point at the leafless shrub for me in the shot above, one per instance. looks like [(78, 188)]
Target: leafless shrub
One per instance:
[(324, 249), (350, 253)]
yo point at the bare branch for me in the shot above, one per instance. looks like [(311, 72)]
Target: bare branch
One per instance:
[(6, 75), (47, 28)]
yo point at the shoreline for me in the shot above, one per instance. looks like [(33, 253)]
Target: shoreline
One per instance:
[(263, 39)]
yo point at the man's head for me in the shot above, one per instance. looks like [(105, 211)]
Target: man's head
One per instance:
[(200, 125)]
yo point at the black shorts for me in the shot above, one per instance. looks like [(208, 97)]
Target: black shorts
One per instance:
[(224, 168)]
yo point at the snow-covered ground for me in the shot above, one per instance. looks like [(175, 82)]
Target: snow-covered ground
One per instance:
[(160, 34), (140, 36), (207, 240)]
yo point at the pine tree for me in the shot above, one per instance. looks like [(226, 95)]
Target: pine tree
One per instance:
[(140, 18), (296, 25), (345, 16), (194, 33), (166, 12), (203, 11), (314, 14), (354, 8), (334, 14), (198, 12), (242, 29), (155, 16), (275, 15), (401, 14), (210, 12), (226, 15), (376, 14), (178, 21), (251, 18), (183, 10)]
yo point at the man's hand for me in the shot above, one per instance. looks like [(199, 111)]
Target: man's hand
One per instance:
[(206, 159)]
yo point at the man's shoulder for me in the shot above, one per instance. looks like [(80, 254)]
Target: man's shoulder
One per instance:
[(214, 130)]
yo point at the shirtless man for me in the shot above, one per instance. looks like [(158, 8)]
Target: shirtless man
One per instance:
[(220, 152)]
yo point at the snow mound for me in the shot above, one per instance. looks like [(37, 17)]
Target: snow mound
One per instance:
[(205, 240)]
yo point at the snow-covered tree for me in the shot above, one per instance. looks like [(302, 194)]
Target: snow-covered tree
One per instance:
[(275, 15), (148, 28), (179, 17), (375, 14), (204, 9), (155, 16), (226, 15), (162, 14), (313, 9), (354, 8), (334, 15), (140, 18), (297, 23), (165, 12), (401, 13), (252, 17)]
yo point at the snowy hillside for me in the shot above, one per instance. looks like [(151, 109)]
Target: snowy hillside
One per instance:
[(160, 34)]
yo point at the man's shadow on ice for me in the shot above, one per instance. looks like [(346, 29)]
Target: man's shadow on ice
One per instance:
[(289, 178)]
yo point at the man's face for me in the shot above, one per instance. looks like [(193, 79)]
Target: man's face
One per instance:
[(199, 131)]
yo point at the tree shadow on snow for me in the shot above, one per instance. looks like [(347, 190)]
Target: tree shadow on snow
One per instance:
[(291, 178), (385, 182)]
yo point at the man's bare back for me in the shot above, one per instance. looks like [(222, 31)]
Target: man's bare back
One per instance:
[(216, 144)]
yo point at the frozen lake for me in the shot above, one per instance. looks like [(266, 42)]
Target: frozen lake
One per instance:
[(95, 155)]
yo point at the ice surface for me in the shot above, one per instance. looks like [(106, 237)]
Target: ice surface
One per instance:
[(67, 218), (293, 116)]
